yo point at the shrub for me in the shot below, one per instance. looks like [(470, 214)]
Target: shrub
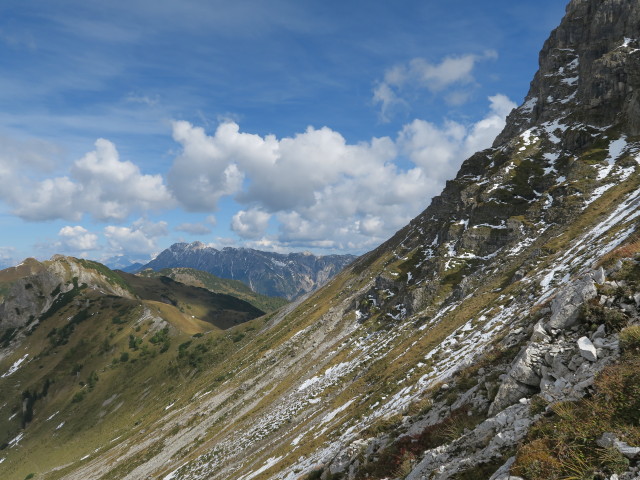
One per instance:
[(611, 318), (237, 337), (79, 396), (630, 338), (124, 357)]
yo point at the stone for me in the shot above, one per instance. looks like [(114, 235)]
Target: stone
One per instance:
[(509, 392), (575, 362), (628, 451), (565, 307), (587, 349), (523, 369), (609, 440), (599, 333), (599, 276), (539, 333), (503, 472), (606, 440)]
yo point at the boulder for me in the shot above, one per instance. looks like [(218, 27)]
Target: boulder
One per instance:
[(565, 307), (587, 349)]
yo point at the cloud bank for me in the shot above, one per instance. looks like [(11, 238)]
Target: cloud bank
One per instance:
[(315, 188), (312, 190), (99, 185)]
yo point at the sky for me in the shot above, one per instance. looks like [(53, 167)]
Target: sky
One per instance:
[(287, 125)]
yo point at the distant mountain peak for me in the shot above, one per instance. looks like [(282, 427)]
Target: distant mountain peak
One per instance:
[(268, 273)]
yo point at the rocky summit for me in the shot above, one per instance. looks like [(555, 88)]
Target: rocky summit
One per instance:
[(267, 273), (497, 336)]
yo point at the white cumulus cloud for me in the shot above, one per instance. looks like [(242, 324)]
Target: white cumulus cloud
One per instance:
[(139, 238), (78, 238), (316, 188), (99, 184), (250, 224)]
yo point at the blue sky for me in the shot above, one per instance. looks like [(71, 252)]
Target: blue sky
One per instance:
[(285, 125)]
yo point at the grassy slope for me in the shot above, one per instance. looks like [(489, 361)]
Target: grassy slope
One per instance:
[(101, 384), (206, 280), (221, 310)]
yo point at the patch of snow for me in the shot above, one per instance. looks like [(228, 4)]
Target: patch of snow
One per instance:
[(551, 127), (569, 98), (570, 81), (296, 440), (16, 440), (625, 172), (548, 201), (171, 475), (597, 193), (268, 464), (60, 426), (14, 368), (551, 157), (616, 148), (502, 226), (529, 105), (331, 415)]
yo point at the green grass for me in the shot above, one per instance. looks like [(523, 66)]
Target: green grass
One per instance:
[(216, 284)]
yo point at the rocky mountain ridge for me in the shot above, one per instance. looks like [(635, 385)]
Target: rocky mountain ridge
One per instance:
[(495, 337), (267, 273)]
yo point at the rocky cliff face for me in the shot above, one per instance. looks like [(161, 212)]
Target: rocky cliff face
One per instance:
[(495, 337), (33, 287), (268, 273), (588, 73)]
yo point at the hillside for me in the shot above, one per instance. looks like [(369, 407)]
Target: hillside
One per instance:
[(235, 288), (497, 336), (268, 273)]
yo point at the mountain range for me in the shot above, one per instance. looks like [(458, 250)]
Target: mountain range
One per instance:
[(268, 273), (497, 336)]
